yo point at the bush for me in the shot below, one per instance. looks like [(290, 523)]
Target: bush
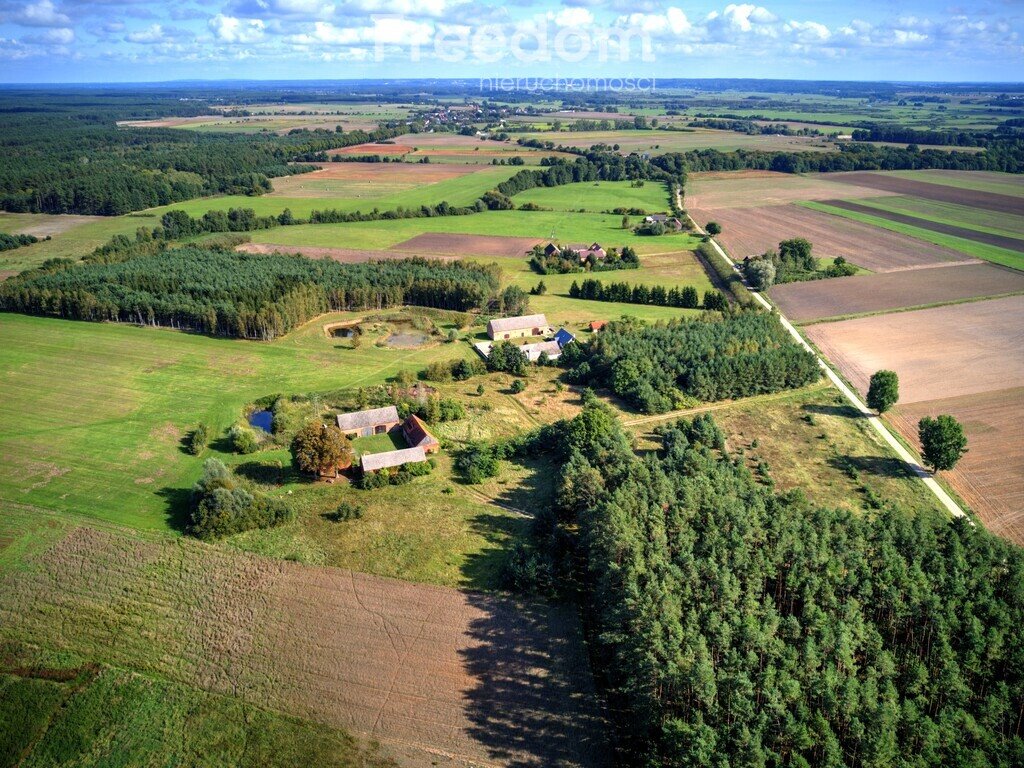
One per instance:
[(243, 440), (345, 511), (476, 463), (198, 439), (222, 507), (517, 386)]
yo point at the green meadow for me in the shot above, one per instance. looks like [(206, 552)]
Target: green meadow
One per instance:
[(599, 196)]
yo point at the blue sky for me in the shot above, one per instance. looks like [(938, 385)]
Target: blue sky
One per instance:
[(118, 40)]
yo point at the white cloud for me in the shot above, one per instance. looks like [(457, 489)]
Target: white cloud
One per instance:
[(230, 29), (573, 17), (41, 14), (151, 34)]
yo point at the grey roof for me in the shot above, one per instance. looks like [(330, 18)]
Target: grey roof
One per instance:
[(501, 324), (374, 461), (532, 351), (362, 419)]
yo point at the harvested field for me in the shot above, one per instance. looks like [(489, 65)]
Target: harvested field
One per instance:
[(456, 246), (342, 255), (434, 674), (963, 349), (372, 180), (373, 149), (990, 477), (42, 224), (942, 192), (819, 299), (1000, 241), (751, 231), (756, 189)]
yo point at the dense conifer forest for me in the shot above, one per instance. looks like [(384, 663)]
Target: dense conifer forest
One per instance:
[(735, 626), (711, 359), (239, 294)]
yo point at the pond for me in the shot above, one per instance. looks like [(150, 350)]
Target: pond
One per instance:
[(262, 420), (407, 339)]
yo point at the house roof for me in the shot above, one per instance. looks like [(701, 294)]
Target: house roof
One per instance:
[(374, 461), (658, 217), (597, 325), (362, 419), (416, 432), (563, 337), (532, 351), (501, 324)]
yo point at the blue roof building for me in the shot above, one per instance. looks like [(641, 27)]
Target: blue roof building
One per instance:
[(563, 337)]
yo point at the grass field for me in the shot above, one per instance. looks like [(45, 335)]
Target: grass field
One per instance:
[(599, 196), (972, 248), (977, 219), (982, 181), (656, 141)]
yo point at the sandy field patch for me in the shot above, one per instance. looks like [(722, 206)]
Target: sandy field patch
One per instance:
[(942, 192), (342, 255), (437, 676), (466, 245), (990, 477), (756, 189), (816, 300), (963, 349), (752, 231), (42, 224)]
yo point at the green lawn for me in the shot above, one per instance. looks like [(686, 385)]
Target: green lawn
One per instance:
[(458, 191), (391, 441), (970, 247), (599, 196), (93, 414)]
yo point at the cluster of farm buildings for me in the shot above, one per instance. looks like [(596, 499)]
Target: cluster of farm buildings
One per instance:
[(381, 421), (526, 326)]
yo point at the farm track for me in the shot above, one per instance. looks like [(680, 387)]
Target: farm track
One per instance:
[(944, 193), (1000, 241)]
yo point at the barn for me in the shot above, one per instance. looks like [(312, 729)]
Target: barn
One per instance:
[(517, 327), (376, 421)]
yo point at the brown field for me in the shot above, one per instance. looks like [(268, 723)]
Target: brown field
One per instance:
[(373, 149), (751, 231), (1000, 241), (413, 173), (342, 255), (962, 349), (437, 676), (942, 192), (990, 477), (756, 189), (472, 245), (819, 299), (42, 224), (169, 122)]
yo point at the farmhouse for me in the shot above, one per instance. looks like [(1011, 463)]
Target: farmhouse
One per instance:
[(376, 421), (517, 327), (671, 222), (597, 325), (533, 351), (373, 461), (417, 435), (563, 337), (581, 250)]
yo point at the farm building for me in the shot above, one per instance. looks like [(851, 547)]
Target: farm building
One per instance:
[(373, 461), (517, 327), (582, 250), (417, 435), (376, 421), (670, 222), (597, 325), (563, 337), (533, 351)]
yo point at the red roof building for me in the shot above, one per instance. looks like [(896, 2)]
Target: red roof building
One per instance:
[(418, 436)]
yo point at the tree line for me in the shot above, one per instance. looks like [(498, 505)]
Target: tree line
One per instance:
[(733, 625), (710, 358), (657, 295), (254, 296)]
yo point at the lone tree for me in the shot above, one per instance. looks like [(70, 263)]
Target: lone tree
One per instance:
[(761, 274), (942, 441), (884, 390), (506, 356), (713, 228), (318, 448)]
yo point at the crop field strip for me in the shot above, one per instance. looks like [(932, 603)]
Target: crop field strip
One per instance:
[(427, 671), (977, 219), (752, 231), (991, 201), (757, 189), (999, 241), (982, 181), (816, 300)]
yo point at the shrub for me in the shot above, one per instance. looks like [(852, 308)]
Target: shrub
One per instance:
[(222, 507), (243, 440), (198, 439), (518, 386)]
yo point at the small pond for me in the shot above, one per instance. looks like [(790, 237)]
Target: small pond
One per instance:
[(262, 420), (343, 332)]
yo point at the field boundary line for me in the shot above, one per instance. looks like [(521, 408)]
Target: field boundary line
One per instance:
[(912, 463)]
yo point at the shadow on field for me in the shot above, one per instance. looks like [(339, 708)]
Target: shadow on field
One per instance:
[(881, 466), (483, 569), (534, 703), (176, 501), (842, 411)]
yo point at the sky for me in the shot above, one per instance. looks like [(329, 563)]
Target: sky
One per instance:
[(65, 41)]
